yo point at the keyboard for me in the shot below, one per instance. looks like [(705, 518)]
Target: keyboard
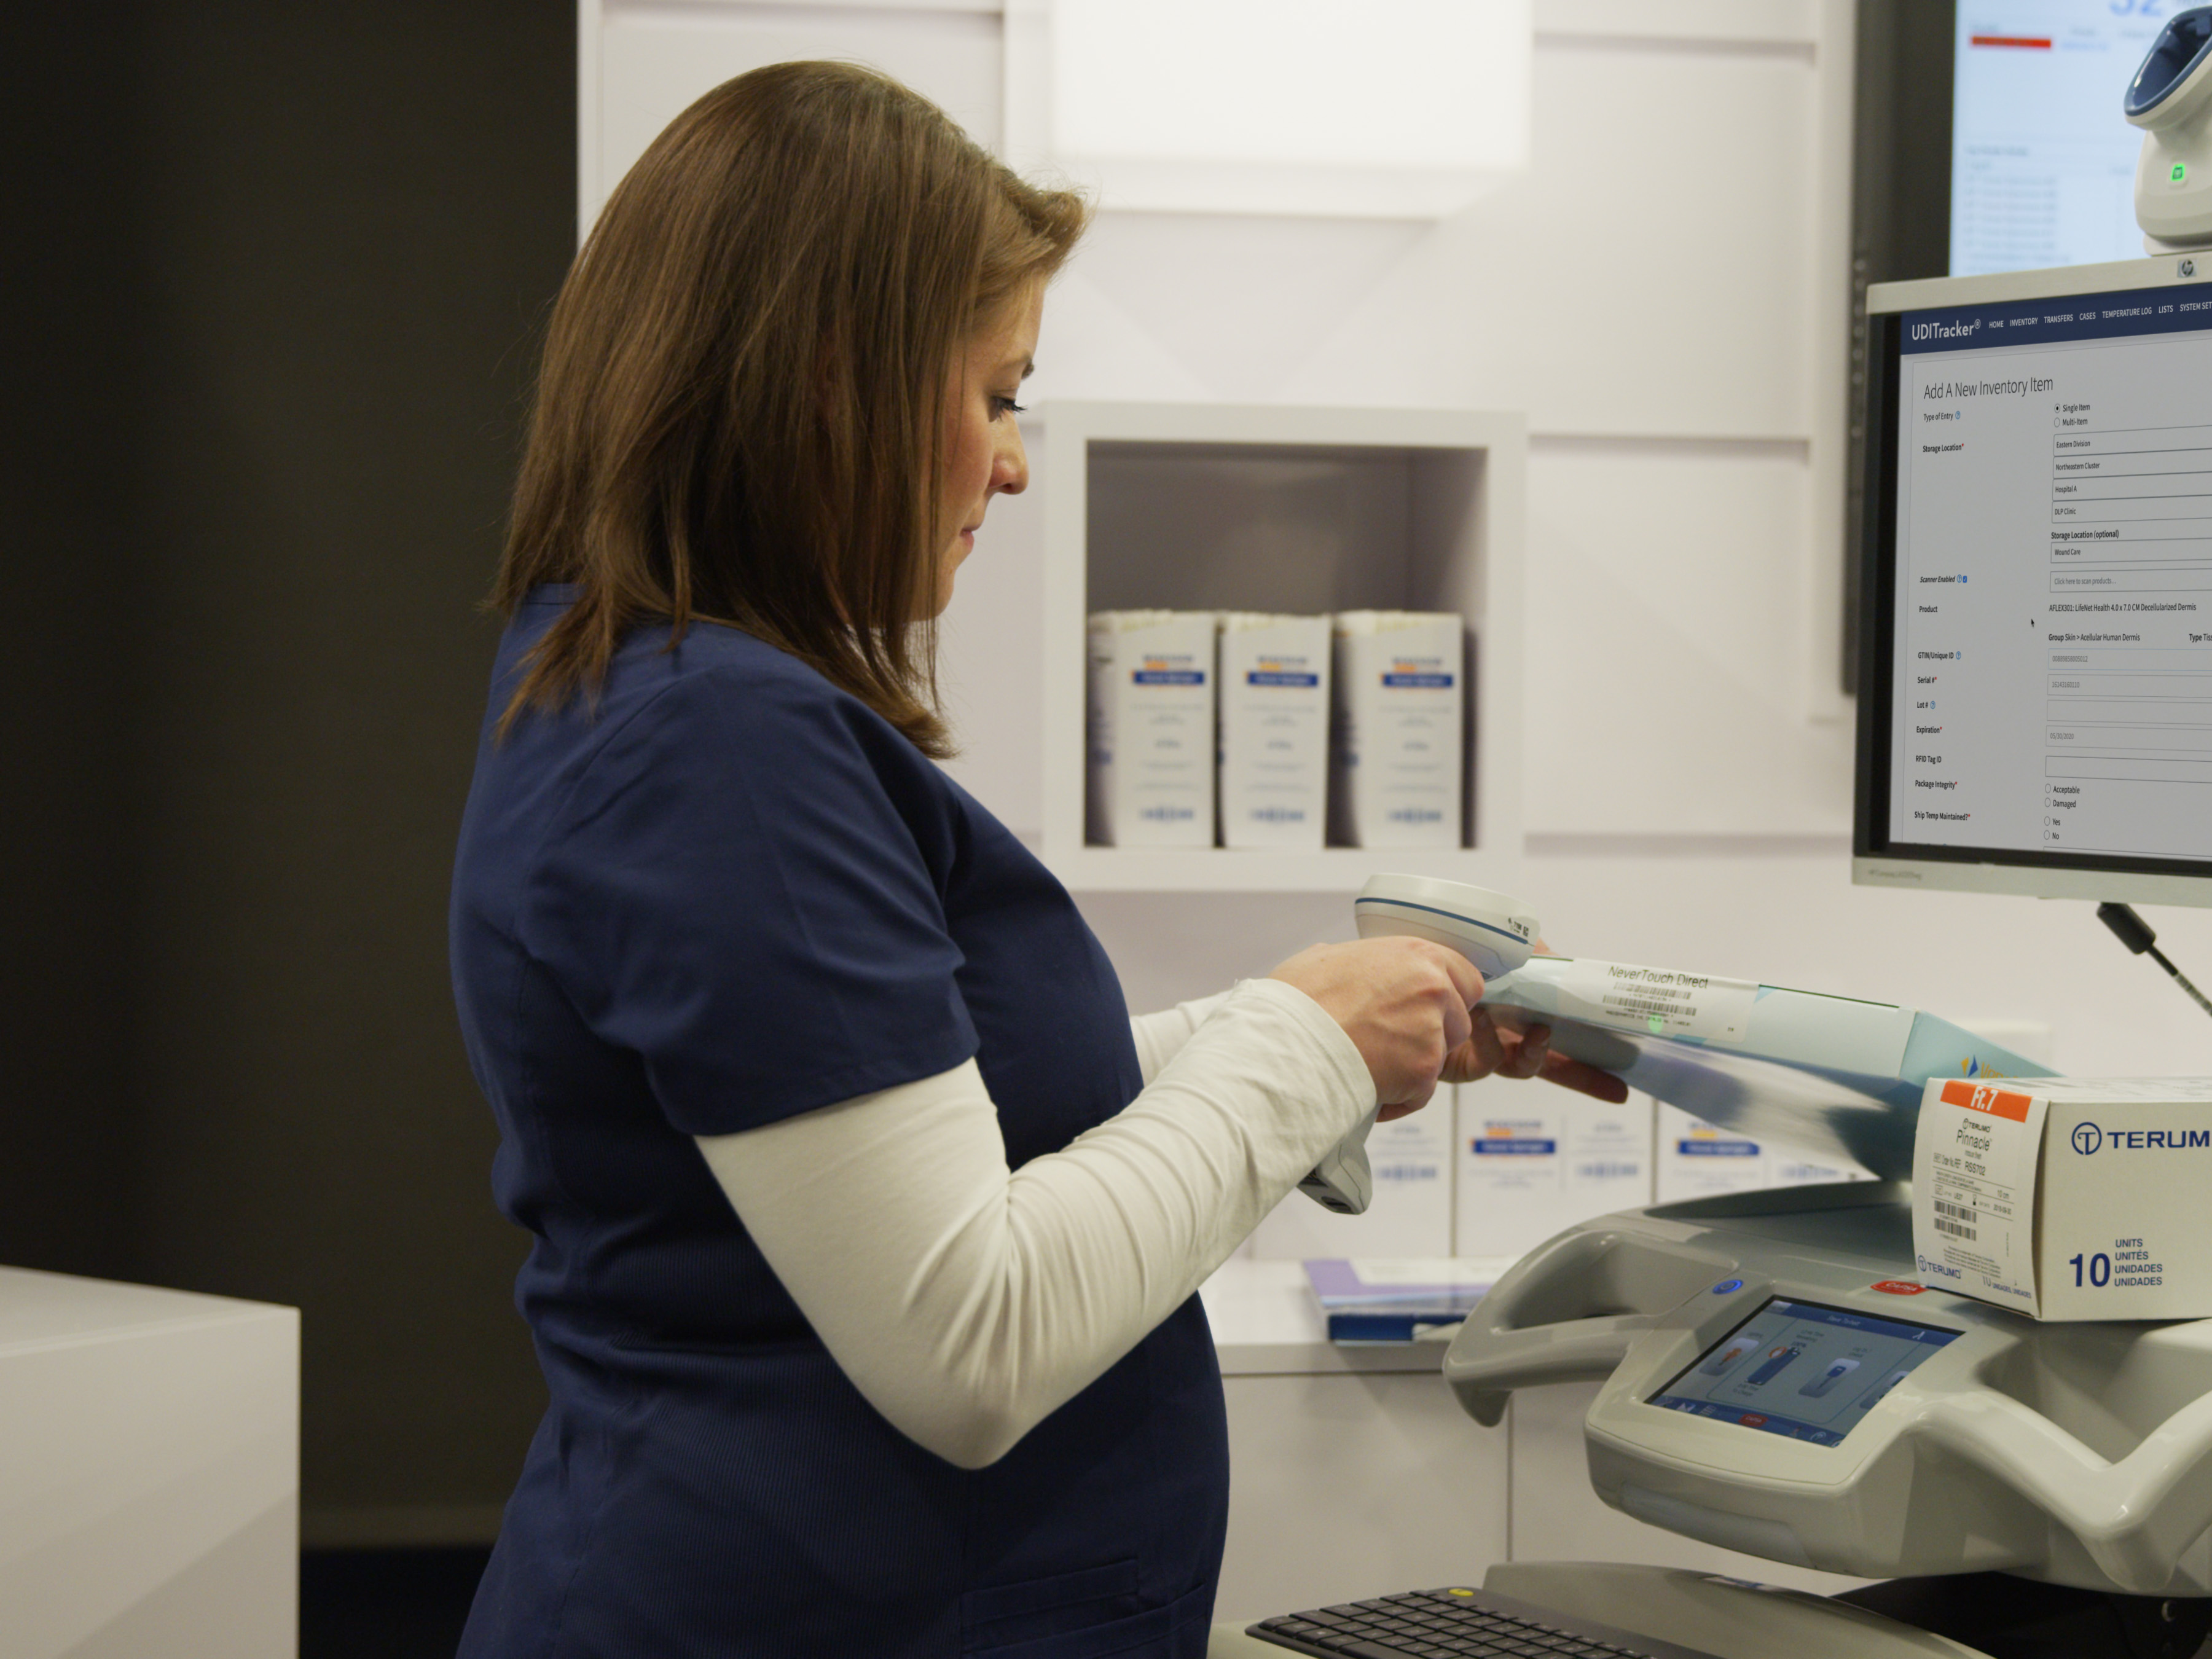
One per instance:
[(1456, 1623)]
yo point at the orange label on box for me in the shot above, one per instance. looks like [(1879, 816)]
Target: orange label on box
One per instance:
[(1981, 1097)]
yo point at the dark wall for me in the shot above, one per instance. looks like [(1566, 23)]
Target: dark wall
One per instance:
[(1900, 208), (297, 282), (68, 528)]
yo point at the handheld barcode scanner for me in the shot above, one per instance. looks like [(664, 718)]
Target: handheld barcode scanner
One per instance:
[(2171, 100), (1494, 933)]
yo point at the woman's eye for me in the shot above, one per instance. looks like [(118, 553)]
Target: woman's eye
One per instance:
[(1006, 406)]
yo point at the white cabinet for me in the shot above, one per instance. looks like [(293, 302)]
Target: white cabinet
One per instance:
[(150, 1472), (1353, 1472), (1211, 506)]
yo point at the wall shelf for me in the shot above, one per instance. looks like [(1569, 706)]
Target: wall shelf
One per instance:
[(1263, 507)]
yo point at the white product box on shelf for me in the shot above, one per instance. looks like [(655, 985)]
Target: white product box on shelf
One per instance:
[(1262, 508), (1696, 1160), (1533, 1161), (1151, 728), (1274, 687), (1397, 750)]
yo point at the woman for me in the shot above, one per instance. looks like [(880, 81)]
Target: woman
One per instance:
[(866, 1224)]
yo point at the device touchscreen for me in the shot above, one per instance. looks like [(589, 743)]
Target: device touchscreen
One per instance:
[(1802, 1369)]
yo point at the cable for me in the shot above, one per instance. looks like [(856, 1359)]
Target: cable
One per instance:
[(2135, 932)]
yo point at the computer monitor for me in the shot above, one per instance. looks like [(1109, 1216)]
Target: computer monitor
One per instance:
[(2035, 677), (2043, 164)]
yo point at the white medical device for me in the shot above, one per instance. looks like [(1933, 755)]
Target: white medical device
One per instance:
[(2171, 100), (1495, 933), (1778, 1383)]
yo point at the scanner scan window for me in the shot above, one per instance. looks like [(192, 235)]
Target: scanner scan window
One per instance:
[(1802, 1370), (2052, 684)]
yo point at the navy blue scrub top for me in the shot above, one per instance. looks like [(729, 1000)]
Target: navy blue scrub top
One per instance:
[(726, 894)]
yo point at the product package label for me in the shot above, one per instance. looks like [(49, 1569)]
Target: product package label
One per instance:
[(1973, 1196), (2068, 1198), (1658, 1002)]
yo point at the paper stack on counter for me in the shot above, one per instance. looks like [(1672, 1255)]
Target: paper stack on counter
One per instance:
[(1825, 1074), (1412, 1300)]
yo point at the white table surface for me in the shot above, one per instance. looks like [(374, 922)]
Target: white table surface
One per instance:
[(1266, 1324)]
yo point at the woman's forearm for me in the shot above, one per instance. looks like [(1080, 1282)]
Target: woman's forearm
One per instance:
[(966, 1300)]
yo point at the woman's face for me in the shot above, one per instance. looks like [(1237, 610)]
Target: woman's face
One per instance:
[(983, 453)]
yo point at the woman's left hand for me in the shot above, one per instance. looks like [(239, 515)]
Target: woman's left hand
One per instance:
[(1498, 1051)]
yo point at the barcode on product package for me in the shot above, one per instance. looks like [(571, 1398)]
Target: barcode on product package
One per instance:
[(1657, 1001)]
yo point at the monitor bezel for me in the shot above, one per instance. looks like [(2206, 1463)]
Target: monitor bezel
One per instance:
[(1877, 860)]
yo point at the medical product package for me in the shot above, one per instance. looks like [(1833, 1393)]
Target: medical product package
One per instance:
[(1150, 731), (1397, 745), (2066, 1198), (1698, 1159), (1836, 1080), (1533, 1161), (1409, 1160), (1273, 678), (1367, 1299)]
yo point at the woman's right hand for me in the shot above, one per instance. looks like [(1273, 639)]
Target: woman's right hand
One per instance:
[(1403, 1001)]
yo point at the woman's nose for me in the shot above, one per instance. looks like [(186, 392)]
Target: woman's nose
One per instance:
[(1009, 471)]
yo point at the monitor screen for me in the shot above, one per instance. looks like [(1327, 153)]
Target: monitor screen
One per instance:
[(1802, 1369), (2042, 162), (2040, 682)]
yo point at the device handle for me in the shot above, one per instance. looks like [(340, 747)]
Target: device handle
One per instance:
[(2135, 1516), (1568, 1312)]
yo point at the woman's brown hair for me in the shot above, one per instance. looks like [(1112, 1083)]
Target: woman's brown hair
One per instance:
[(738, 416)]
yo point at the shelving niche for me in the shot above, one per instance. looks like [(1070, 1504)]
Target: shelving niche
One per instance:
[(1211, 506)]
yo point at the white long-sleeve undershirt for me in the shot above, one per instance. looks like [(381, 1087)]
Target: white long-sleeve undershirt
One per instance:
[(968, 1302), (1160, 1036)]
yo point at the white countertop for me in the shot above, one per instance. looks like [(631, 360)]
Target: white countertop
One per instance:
[(1264, 1324)]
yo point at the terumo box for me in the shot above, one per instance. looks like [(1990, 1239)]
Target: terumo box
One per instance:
[(1151, 728), (1397, 747), (1274, 683), (2066, 1198)]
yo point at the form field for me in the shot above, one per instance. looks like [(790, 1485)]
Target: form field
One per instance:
[(2178, 579), (2161, 511), (2133, 685), (2163, 486), (2132, 440), (2128, 659), (2130, 711), (2149, 739), (2141, 769), (2147, 464)]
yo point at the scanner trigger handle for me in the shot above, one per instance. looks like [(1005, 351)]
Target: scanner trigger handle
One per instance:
[(1342, 1181), (1492, 930)]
